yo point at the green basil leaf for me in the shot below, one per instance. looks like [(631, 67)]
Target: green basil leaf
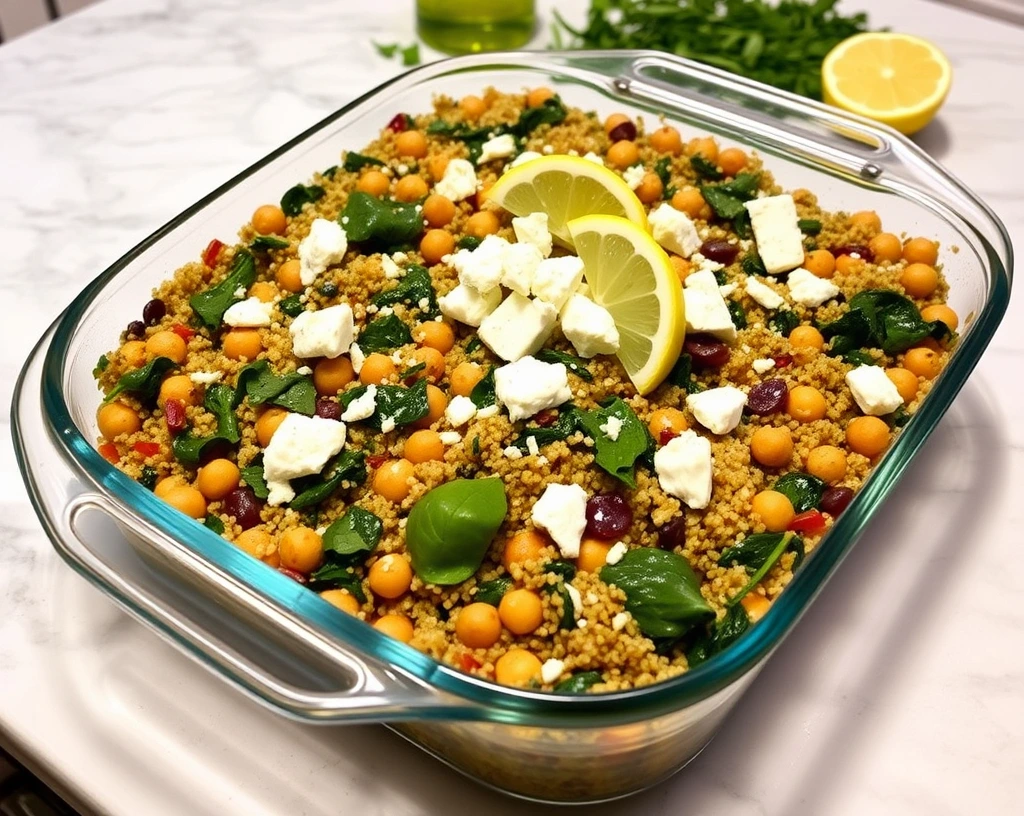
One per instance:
[(491, 592), (617, 456), (253, 476), (802, 489), (268, 242), (403, 405), (143, 382), (357, 531), (214, 523), (380, 222), (337, 576), (706, 169), (718, 636), (299, 196), (566, 425), (357, 161), (348, 466), (575, 365), (413, 290), (579, 683), (291, 306), (483, 394), (210, 304)]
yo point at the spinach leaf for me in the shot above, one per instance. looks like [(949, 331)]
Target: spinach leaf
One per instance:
[(260, 385), (566, 425), (491, 592), (219, 401), (451, 527), (617, 456), (663, 172), (706, 169), (809, 226), (859, 358), (473, 344), (268, 242), (413, 290), (662, 591), (253, 476), (348, 466), (411, 371), (384, 334), (565, 570), (214, 523), (357, 161), (737, 313), (299, 397), (727, 199), (718, 636), (898, 418), (291, 306), (751, 552), (337, 576), (299, 196), (380, 222), (210, 304), (403, 405), (148, 477), (552, 112), (578, 683), (802, 489), (358, 531), (469, 242), (752, 264), (189, 449), (101, 366), (575, 365), (143, 382), (783, 321), (483, 394), (330, 172), (681, 375), (786, 541), (882, 319)]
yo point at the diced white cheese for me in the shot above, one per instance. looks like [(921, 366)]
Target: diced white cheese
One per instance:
[(467, 305), (357, 357), (684, 469), (518, 327), (362, 406), (532, 447), (324, 333), (705, 264), (249, 313), (577, 605), (529, 385), (727, 289), (718, 409), (500, 147), (205, 377), (305, 371), (779, 240), (674, 230), (239, 292), (458, 182), (633, 176), (611, 428), (300, 446), (557, 278), (616, 553), (619, 621), (460, 411), (512, 452), (325, 245), (562, 511), (519, 265), (808, 289), (481, 268), (763, 294), (703, 279), (708, 312), (551, 670), (524, 157), (488, 412), (533, 229), (391, 269), (450, 437), (591, 156), (589, 327), (875, 393), (763, 365), (387, 424)]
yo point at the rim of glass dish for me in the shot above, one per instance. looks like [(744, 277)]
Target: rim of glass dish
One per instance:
[(495, 702)]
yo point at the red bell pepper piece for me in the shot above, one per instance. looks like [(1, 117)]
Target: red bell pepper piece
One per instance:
[(108, 450), (666, 436), (467, 662), (376, 460), (146, 448), (400, 122), (783, 360), (212, 252), (174, 414), (184, 332), (811, 522)]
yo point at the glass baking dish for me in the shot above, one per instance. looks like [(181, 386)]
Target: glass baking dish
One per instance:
[(301, 656)]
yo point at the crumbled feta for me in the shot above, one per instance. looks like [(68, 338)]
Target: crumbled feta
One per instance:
[(616, 553), (387, 424), (524, 157), (684, 469), (488, 412), (532, 447), (481, 268), (519, 265), (362, 407), (533, 229), (529, 385), (467, 305), (548, 150), (402, 169), (591, 156), (777, 233), (239, 292), (324, 333), (808, 289), (460, 411), (512, 452), (707, 312), (450, 437), (718, 409), (633, 176), (557, 278), (305, 371), (551, 671), (589, 327), (703, 279), (562, 512), (577, 605), (249, 313), (674, 230), (458, 182), (611, 428), (619, 621), (357, 357), (763, 365), (325, 245), (500, 147), (875, 393), (205, 377), (727, 289), (518, 327), (763, 294), (300, 446)]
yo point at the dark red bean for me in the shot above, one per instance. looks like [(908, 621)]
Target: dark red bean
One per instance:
[(244, 506), (608, 516), (673, 534), (706, 351), (626, 131), (783, 360), (153, 312), (328, 408), (545, 418), (720, 251), (854, 249), (768, 397), (295, 576), (135, 329), (835, 500), (174, 413), (398, 123)]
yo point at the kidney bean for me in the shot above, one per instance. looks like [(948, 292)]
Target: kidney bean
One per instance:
[(244, 506), (835, 500), (719, 251), (608, 516), (327, 408), (135, 329), (768, 397), (673, 534), (854, 249), (153, 312), (706, 351), (626, 131), (783, 360), (399, 122)]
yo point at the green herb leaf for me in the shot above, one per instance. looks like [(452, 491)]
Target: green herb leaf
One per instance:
[(483, 394), (299, 397), (214, 523), (859, 358), (143, 382), (209, 305), (380, 223), (786, 541), (411, 371), (890, 322), (750, 552), (476, 445), (299, 196), (575, 365), (291, 306), (617, 456), (565, 570), (737, 313), (491, 592), (469, 242), (413, 289), (662, 168), (809, 226), (219, 401), (802, 489), (578, 683), (101, 365), (261, 242), (718, 636), (411, 55), (358, 531), (898, 418), (148, 477), (253, 476), (260, 385), (384, 334), (727, 199), (348, 466), (357, 161), (753, 265), (473, 344), (403, 405), (681, 375), (386, 51), (783, 321), (706, 169), (566, 425), (337, 576), (552, 112), (330, 172)]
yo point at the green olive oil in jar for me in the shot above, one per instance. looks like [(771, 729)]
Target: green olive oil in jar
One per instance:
[(471, 26)]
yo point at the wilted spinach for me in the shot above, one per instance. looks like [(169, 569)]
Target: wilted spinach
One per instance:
[(802, 489), (143, 382), (617, 456), (384, 334), (578, 683), (491, 592), (210, 304), (718, 636), (575, 365), (402, 405), (412, 290), (380, 223), (299, 196), (348, 466)]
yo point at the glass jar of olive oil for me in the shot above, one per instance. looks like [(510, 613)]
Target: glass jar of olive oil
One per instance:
[(471, 26)]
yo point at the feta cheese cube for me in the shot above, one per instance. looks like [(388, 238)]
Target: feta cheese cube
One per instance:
[(551, 670), (518, 267), (616, 553), (589, 327), (763, 294), (467, 305), (325, 245), (518, 327), (763, 365), (619, 621), (777, 233), (532, 447), (300, 446), (875, 393), (611, 428), (529, 385), (708, 312), (562, 511), (703, 279), (577, 605), (249, 313), (391, 269), (591, 156), (500, 147), (675, 231), (355, 354), (557, 278), (727, 289), (205, 377), (524, 157), (718, 409), (512, 452), (362, 407), (305, 371), (450, 437), (481, 268), (684, 469), (458, 182), (533, 229), (488, 412), (324, 333), (460, 411), (808, 289), (633, 176)]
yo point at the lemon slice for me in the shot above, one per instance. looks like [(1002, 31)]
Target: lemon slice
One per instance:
[(566, 187), (895, 79), (632, 277)]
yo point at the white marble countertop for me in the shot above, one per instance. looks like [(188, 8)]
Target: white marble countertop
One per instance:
[(902, 691)]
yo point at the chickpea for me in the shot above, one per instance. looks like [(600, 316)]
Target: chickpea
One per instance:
[(756, 606), (775, 510), (424, 446), (666, 139), (331, 375), (133, 352), (846, 264), (432, 359), (269, 220), (376, 369), (179, 387), (395, 625), (920, 280), (267, 424), (432, 334), (682, 267), (866, 218), (435, 244), (772, 447), (301, 549), (867, 435), (472, 107), (526, 545), (410, 188), (257, 542), (806, 337), (167, 484), (923, 361), (921, 250), (690, 201), (806, 404), (650, 188), (938, 311), (242, 344), (263, 291), (905, 382), (613, 121), (704, 146), (820, 262), (217, 478), (437, 402), (732, 160), (342, 599), (436, 166), (827, 462), (886, 247), (482, 224), (373, 182), (188, 500), (464, 378), (116, 418), (411, 143), (166, 344), (392, 479), (623, 153), (593, 554), (287, 276), (521, 611), (538, 96), (478, 625), (517, 667), (667, 419), (438, 211), (390, 576)]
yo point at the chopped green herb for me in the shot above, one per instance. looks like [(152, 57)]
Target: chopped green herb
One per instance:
[(209, 305), (261, 242), (727, 199), (473, 344), (415, 289), (384, 334), (299, 196), (253, 476), (330, 172), (411, 371), (294, 391), (752, 264), (291, 306), (219, 401), (328, 289), (706, 169), (783, 542), (476, 445), (148, 477), (483, 394), (491, 592), (214, 523), (552, 112), (410, 54), (575, 365), (737, 313), (662, 170), (783, 321), (566, 425), (681, 375), (809, 226), (380, 223), (347, 466), (357, 161), (578, 683), (101, 366)]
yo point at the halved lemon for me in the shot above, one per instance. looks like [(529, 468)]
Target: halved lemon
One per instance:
[(566, 187), (895, 79), (632, 277)]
